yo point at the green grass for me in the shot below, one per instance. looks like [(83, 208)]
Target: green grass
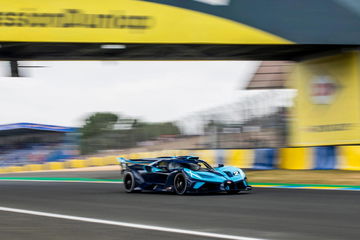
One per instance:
[(309, 177)]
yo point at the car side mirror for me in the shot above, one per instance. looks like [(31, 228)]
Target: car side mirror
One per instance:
[(220, 165)]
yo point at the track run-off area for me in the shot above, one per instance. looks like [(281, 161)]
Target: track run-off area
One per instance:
[(92, 205)]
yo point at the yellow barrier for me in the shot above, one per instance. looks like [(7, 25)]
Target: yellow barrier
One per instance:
[(77, 163), (16, 169), (243, 158), (144, 154), (3, 170), (151, 154), (288, 158), (34, 167), (54, 165), (111, 160), (163, 153), (133, 156), (350, 157), (96, 161), (295, 158)]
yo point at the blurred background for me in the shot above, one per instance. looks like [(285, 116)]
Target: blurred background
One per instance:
[(113, 108), (246, 113)]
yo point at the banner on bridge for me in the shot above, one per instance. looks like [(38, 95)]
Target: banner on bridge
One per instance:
[(182, 22)]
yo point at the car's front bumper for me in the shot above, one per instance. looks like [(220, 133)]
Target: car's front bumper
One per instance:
[(220, 187)]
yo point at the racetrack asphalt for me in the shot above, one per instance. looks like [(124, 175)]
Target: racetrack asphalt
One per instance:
[(263, 213)]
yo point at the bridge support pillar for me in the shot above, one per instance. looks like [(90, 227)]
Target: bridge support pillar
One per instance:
[(327, 107)]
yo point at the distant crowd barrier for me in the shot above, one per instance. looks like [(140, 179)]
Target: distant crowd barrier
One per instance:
[(304, 158), (68, 164)]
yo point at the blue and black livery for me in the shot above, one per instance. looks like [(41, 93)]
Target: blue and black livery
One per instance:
[(181, 175)]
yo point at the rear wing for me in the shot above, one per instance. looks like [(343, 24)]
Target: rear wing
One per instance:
[(124, 163)]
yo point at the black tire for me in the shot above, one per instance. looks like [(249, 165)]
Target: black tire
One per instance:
[(180, 184), (129, 182)]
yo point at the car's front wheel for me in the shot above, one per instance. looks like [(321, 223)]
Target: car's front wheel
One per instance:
[(180, 184), (129, 182)]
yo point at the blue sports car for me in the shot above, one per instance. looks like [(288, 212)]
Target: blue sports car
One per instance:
[(181, 175)]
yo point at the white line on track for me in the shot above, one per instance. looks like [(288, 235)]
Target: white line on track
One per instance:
[(129, 225)]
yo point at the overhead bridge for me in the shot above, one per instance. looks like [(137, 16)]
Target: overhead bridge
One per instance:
[(177, 30), (10, 51)]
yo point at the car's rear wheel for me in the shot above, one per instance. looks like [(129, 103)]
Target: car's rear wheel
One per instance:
[(129, 182), (180, 184)]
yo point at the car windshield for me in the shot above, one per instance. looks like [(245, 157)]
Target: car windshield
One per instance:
[(192, 165)]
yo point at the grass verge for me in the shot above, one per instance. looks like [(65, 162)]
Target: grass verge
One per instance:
[(322, 177)]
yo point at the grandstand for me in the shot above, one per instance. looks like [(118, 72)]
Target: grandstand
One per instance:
[(29, 143)]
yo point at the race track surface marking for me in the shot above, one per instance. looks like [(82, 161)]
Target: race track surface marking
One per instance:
[(128, 225)]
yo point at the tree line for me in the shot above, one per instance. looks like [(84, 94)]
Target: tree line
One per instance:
[(105, 131)]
